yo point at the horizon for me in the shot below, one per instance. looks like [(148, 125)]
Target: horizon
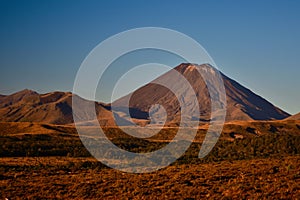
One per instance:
[(254, 43), (130, 90)]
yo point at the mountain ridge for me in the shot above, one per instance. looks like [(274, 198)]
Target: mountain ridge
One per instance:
[(56, 107), (53, 107)]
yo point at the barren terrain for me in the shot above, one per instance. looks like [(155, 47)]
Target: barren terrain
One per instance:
[(252, 160)]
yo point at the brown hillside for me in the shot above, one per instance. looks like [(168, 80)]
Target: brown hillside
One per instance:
[(294, 117)]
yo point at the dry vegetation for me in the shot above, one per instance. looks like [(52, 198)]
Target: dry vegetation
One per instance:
[(61, 177), (42, 161)]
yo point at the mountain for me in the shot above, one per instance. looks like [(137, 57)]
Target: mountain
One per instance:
[(242, 103), (294, 117), (54, 108)]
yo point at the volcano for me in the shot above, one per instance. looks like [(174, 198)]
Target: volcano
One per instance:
[(242, 103)]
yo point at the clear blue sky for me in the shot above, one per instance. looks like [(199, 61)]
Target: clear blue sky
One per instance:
[(256, 43)]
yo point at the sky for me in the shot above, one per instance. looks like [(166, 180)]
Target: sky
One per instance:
[(257, 43)]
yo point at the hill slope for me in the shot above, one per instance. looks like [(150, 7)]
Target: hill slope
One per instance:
[(294, 117)]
